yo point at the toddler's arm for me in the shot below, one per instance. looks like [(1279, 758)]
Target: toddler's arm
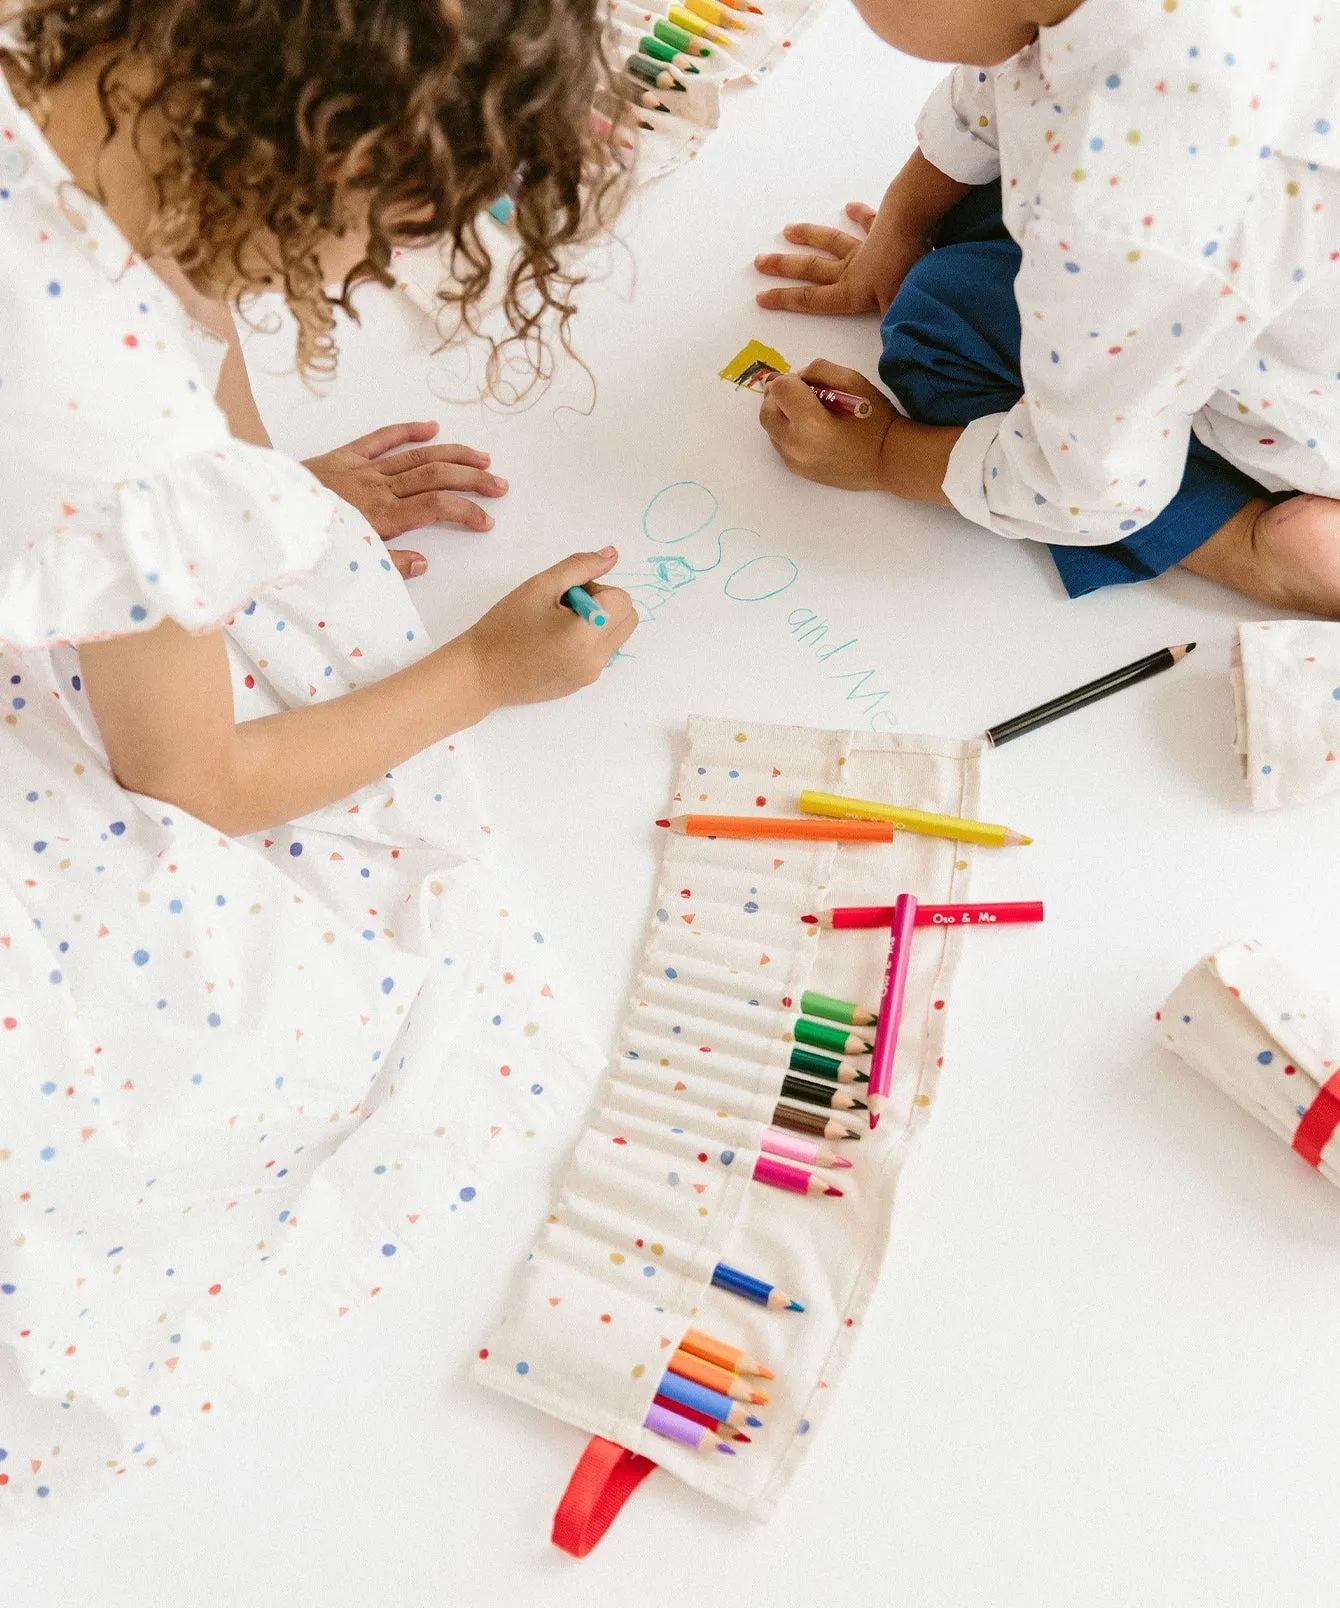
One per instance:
[(163, 703)]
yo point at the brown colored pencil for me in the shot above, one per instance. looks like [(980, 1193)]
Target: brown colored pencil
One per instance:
[(800, 1119)]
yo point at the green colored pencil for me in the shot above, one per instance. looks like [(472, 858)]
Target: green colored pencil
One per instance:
[(837, 1010), (825, 1036), (824, 1066), (680, 38), (658, 50)]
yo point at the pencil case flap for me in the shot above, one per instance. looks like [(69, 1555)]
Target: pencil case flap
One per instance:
[(1244, 1020), (1286, 697), (660, 1186)]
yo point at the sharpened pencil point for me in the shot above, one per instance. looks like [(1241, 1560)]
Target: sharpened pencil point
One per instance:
[(874, 1121), (726, 1451), (664, 821), (833, 1190), (754, 1423), (739, 1436), (841, 1161), (758, 1398), (795, 1307), (810, 921), (767, 1373)]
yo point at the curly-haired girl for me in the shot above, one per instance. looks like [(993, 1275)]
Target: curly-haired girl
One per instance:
[(255, 989)]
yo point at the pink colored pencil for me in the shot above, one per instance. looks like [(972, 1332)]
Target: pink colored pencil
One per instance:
[(796, 1179), (777, 1142), (891, 1006), (950, 915)]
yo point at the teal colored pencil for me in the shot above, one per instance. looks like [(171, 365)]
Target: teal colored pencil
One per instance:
[(580, 601)]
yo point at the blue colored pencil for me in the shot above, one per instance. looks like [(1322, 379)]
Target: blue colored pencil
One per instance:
[(768, 1295), (580, 601), (688, 1393)]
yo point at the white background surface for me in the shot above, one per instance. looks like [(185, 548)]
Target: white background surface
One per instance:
[(1098, 1369)]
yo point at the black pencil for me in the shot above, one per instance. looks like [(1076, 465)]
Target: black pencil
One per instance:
[(820, 1094), (1091, 692)]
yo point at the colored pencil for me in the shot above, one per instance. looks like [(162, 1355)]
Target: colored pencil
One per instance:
[(680, 38), (834, 806), (675, 1427), (712, 1350), (689, 1366), (654, 72), (804, 829), (950, 915), (801, 1119), (705, 1419), (584, 606), (636, 92), (844, 402), (891, 1005), (777, 1175), (768, 1295), (695, 25), (718, 16), (817, 1095), (743, 5), (689, 1393), (836, 1010), (779, 1143), (812, 1065), (658, 50), (825, 1036), (1090, 692)]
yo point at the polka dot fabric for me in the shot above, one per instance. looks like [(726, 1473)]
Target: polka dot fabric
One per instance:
[(1269, 1040), (241, 1080), (660, 1187), (1286, 695), (1171, 172)]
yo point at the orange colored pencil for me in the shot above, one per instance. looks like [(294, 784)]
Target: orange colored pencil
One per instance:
[(687, 1366), (729, 1357), (808, 829)]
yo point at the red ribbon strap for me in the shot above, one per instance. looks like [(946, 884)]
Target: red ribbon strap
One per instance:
[(605, 1477), (1320, 1121)]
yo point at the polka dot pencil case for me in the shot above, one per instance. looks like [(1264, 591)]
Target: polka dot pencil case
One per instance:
[(660, 1187)]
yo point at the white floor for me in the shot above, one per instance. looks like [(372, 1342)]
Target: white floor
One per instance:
[(1097, 1373)]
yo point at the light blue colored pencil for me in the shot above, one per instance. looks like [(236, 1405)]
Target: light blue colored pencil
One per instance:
[(580, 601)]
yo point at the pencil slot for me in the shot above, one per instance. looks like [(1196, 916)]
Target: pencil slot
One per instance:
[(661, 1206)]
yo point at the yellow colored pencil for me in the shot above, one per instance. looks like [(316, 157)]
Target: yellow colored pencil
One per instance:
[(838, 808), (695, 25), (720, 16)]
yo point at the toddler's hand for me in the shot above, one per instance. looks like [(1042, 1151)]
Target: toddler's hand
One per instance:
[(823, 446), (398, 492), (530, 647), (854, 275)]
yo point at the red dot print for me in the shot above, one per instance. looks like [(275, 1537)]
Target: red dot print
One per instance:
[(1289, 1071), (686, 893), (702, 1155), (483, 1353), (786, 44), (605, 1317), (248, 681), (11, 1023), (786, 1001), (205, 1406), (4, 1479), (760, 801), (132, 340), (215, 1288), (939, 1004), (506, 1071), (1267, 441), (1158, 1016), (321, 625), (639, 1243)]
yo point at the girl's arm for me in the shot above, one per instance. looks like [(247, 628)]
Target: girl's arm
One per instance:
[(163, 703)]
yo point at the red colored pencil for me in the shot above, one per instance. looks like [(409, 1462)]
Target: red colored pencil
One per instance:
[(950, 915), (804, 828)]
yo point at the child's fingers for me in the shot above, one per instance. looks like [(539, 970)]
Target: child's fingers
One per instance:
[(391, 436), (432, 508), (446, 452), (616, 603), (788, 397), (409, 564), (839, 378), (580, 570), (859, 213), (446, 476), (799, 265), (804, 299), (821, 235)]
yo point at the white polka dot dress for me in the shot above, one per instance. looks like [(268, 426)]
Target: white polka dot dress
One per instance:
[(239, 1078)]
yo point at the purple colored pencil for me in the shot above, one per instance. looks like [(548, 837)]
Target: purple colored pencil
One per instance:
[(662, 1421), (891, 1005)]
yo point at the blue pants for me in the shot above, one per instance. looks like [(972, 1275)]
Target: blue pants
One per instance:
[(951, 355)]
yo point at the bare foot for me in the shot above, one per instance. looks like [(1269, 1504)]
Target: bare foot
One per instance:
[(1286, 555)]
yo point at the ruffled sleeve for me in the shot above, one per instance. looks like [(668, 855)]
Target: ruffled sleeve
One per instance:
[(192, 540)]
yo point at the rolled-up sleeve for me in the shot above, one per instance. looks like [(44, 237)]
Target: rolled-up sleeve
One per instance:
[(957, 127), (1120, 348)]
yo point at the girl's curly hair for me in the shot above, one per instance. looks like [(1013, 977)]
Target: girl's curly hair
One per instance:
[(283, 115)]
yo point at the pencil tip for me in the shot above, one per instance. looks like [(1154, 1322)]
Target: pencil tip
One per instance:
[(728, 1451), (740, 1436), (664, 821), (758, 1398), (874, 1121), (1025, 840), (810, 921), (841, 1161), (767, 1373), (831, 1190), (795, 1307), (754, 1423)]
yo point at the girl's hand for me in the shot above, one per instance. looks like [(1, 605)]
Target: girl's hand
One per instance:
[(530, 647), (398, 492), (823, 446), (854, 274)]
